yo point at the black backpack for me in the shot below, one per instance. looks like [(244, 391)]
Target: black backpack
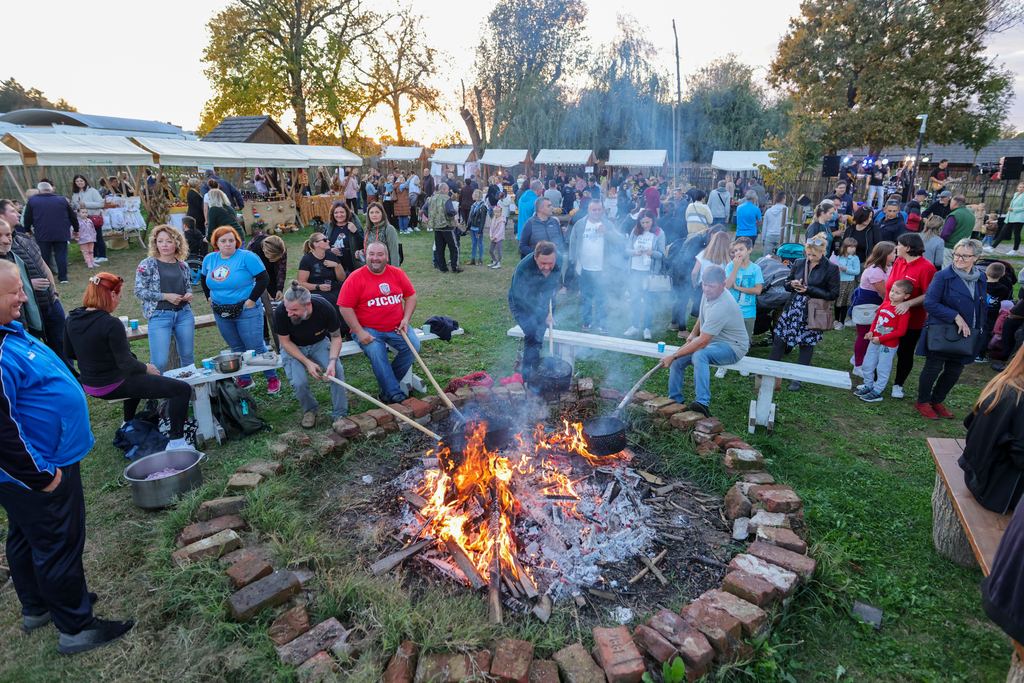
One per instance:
[(236, 410), (140, 438)]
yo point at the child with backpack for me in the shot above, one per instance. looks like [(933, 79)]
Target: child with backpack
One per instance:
[(884, 334), (849, 269)]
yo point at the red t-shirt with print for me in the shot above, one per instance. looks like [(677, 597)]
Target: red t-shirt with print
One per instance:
[(920, 272), (376, 299)]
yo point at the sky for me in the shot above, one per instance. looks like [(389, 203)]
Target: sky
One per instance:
[(146, 63)]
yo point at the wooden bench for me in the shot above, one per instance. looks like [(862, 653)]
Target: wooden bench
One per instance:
[(762, 410), (962, 530)]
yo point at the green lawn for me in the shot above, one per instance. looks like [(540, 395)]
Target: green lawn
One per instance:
[(863, 471)]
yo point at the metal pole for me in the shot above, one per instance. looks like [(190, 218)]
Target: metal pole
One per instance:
[(917, 159), (675, 112)]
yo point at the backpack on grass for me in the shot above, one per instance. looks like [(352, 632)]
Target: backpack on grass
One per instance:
[(236, 410)]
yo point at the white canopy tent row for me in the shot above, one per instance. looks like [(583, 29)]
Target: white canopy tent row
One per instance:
[(741, 161), (456, 157), (638, 158), (565, 157)]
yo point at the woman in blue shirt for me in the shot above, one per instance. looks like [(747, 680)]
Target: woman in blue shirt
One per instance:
[(234, 280)]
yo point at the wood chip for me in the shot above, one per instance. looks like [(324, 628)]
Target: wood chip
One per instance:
[(665, 489), (651, 479), (604, 595), (388, 563), (416, 500)]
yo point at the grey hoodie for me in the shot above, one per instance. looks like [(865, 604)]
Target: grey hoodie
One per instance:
[(772, 222), (718, 202)]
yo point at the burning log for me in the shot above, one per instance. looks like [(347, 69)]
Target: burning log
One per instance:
[(465, 564), (494, 602), (391, 561), (416, 500), (529, 588)]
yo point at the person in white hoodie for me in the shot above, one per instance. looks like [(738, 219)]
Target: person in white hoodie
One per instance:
[(773, 222), (720, 204)]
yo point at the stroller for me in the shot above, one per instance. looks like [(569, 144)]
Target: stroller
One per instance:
[(773, 296), (789, 253)]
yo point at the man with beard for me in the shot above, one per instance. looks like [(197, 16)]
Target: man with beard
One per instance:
[(377, 302), (310, 334), (891, 225)]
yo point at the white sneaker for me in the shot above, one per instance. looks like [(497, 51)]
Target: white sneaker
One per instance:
[(647, 333), (744, 373), (850, 324), (496, 266), (720, 373), (416, 229), (430, 230), (838, 326), (988, 249), (897, 391), (178, 444), (857, 371), (630, 331), (102, 259), (1012, 252)]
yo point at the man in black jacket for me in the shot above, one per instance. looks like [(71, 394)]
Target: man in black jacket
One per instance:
[(227, 188), (940, 207), (54, 220), (542, 227), (891, 225)]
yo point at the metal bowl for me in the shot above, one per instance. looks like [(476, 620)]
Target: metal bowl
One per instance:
[(158, 493), (226, 363)]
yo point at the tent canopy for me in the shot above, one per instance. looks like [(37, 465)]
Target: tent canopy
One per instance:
[(8, 157), (506, 158), (569, 157), (318, 155), (741, 161), (71, 150), (167, 152), (396, 153), (269, 155), (453, 156), (630, 158)]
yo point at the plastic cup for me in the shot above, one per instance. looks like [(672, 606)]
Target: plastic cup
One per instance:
[(134, 322), (426, 328), (661, 347)]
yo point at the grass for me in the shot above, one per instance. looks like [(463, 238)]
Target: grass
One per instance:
[(863, 471)]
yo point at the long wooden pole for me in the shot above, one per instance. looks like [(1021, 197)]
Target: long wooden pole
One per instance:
[(17, 185), (442, 394), (386, 407)]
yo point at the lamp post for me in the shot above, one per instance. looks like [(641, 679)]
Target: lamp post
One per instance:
[(917, 157)]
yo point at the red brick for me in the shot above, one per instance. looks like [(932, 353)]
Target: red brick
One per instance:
[(318, 638), (642, 396), (418, 407), (340, 443), (248, 570), (200, 530), (685, 420), (577, 666), (294, 438), (454, 398), (317, 668), (585, 386), (701, 438), (776, 498), (244, 481), (435, 402), (783, 579), (722, 630), (289, 625), (743, 445), (220, 507), (736, 504), (801, 565), (269, 591), (516, 391), (267, 469), (402, 667), (381, 416), (453, 668), (615, 652), (672, 409), (465, 394), (783, 538), (752, 618), (365, 422), (691, 644), (212, 546), (500, 393), (752, 588), (403, 409), (438, 414), (612, 394), (543, 671), (482, 394), (346, 427), (709, 425), (742, 459), (706, 449), (260, 551), (657, 403), (511, 663), (728, 440), (653, 644), (758, 478)]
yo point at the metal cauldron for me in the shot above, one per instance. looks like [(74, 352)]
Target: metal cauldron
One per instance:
[(159, 493), (227, 363)]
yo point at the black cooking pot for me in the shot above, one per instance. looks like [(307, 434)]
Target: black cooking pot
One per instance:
[(551, 376), (496, 437), (604, 435)]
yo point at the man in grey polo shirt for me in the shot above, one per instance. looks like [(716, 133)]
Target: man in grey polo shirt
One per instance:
[(719, 338)]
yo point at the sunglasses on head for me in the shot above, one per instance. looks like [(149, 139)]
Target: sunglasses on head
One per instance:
[(820, 243)]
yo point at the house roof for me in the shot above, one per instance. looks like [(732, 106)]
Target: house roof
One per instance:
[(49, 117), (572, 157), (957, 154), (243, 129)]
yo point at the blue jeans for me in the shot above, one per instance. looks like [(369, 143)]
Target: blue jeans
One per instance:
[(594, 296), (640, 299), (403, 225), (478, 243), (319, 353), (245, 333), (389, 374), (715, 353), (182, 324)]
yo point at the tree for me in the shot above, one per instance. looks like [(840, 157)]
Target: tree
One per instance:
[(13, 96), (869, 67), (275, 54), (525, 48)]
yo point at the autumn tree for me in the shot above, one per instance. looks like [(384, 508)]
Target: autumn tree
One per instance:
[(13, 96), (867, 68), (266, 56)]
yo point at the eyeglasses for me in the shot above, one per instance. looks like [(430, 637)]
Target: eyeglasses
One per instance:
[(963, 257), (820, 243)]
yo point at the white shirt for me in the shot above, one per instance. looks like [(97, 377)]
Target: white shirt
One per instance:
[(592, 248), (642, 243)]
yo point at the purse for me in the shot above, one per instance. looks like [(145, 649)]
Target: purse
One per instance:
[(819, 311), (658, 283), (97, 221), (228, 310), (945, 339), (864, 314)]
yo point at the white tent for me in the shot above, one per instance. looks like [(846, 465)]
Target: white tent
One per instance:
[(323, 155), (396, 153), (633, 158), (453, 156), (268, 155), (505, 158), (8, 157), (741, 161), (168, 152), (568, 157), (71, 150)]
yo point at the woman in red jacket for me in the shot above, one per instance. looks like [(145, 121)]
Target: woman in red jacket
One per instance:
[(909, 266)]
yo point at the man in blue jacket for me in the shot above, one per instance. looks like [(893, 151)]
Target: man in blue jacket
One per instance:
[(227, 188), (531, 297), (51, 219), (44, 428)]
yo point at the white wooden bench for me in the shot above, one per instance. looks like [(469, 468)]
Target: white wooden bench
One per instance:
[(762, 410)]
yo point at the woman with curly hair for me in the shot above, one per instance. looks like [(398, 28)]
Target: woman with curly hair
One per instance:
[(162, 286)]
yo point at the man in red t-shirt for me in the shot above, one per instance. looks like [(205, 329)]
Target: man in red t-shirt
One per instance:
[(909, 265), (377, 301)]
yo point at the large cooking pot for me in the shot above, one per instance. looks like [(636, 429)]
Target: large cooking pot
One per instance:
[(227, 363), (551, 376), (159, 493), (496, 437)]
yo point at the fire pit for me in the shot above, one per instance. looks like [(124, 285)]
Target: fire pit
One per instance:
[(544, 520)]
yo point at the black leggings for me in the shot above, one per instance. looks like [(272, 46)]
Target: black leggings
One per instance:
[(779, 350), (905, 356), (138, 387), (937, 377), (1008, 229)]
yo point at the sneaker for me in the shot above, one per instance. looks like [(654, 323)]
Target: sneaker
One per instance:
[(998, 367), (430, 230), (720, 373), (602, 330), (496, 266), (674, 327), (244, 385), (857, 371), (850, 325), (795, 385), (630, 331), (987, 249), (941, 411), (897, 391), (32, 622), (700, 408), (99, 633), (178, 445), (585, 328), (273, 385), (838, 326), (863, 390), (683, 334), (63, 282), (926, 410), (308, 420), (647, 333), (416, 229), (457, 270), (870, 397), (1012, 252), (103, 259), (980, 359)]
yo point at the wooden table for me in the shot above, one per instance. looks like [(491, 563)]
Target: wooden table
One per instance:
[(310, 207)]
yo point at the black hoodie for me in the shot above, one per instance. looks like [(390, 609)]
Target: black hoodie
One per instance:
[(97, 340)]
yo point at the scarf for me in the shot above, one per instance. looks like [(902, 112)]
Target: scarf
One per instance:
[(968, 279)]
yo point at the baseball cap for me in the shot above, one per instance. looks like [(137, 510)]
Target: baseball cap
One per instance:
[(945, 193), (922, 193)]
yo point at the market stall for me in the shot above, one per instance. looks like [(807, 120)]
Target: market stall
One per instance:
[(580, 160), (638, 158), (411, 156), (505, 158), (319, 206), (462, 158)]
